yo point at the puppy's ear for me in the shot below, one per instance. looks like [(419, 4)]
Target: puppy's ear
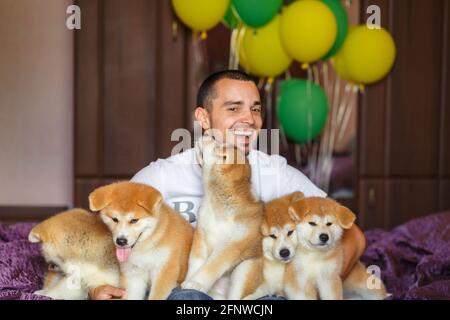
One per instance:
[(265, 229), (293, 214), (297, 196), (151, 202), (298, 209), (345, 217), (100, 197), (34, 236)]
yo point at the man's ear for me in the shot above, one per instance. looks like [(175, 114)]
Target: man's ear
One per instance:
[(345, 217), (101, 197), (202, 116), (151, 202)]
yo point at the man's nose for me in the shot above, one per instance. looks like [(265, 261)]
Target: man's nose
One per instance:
[(248, 117)]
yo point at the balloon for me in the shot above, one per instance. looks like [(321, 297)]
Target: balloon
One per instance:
[(256, 13), (243, 59), (368, 54), (264, 51), (302, 109), (200, 15), (308, 30), (231, 20), (339, 66), (342, 25)]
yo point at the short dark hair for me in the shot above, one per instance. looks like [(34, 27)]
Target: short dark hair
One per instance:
[(206, 92)]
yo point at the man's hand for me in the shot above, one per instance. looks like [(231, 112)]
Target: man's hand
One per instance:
[(106, 292), (354, 243)]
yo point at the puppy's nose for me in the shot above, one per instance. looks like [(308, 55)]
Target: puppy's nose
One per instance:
[(121, 242), (284, 253), (324, 237)]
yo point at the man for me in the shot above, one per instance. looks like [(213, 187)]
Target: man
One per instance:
[(229, 102)]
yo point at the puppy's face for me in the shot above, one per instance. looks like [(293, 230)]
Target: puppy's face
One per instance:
[(211, 152), (279, 242), (320, 222), (130, 211), (279, 229)]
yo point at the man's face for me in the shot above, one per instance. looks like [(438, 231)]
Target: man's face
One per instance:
[(235, 112)]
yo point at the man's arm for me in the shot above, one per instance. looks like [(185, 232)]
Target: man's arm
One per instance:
[(354, 244)]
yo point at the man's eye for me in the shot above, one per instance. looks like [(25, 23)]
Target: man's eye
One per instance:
[(273, 236), (256, 110), (133, 221), (115, 220), (312, 224), (290, 233), (232, 109)]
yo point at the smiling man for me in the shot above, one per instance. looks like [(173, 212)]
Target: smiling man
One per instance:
[(229, 103)]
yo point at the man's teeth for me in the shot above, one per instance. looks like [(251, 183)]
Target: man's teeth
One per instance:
[(242, 133)]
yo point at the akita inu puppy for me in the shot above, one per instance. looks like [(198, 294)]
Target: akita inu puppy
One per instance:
[(152, 240), (78, 249), (279, 246), (227, 240), (318, 261)]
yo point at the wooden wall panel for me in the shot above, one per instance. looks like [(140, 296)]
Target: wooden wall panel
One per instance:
[(416, 84), (445, 108), (372, 113), (87, 82), (171, 103), (409, 199), (130, 78), (444, 195), (371, 204)]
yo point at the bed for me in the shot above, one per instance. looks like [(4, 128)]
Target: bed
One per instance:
[(414, 259)]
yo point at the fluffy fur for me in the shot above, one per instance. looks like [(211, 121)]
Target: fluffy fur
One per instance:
[(227, 241), (152, 240), (279, 245), (79, 252), (318, 262)]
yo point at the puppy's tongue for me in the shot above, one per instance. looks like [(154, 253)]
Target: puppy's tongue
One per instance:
[(123, 254)]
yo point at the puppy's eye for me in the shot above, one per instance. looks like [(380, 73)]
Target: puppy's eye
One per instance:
[(273, 236), (224, 157), (115, 220), (290, 233), (312, 224), (329, 224), (133, 221)]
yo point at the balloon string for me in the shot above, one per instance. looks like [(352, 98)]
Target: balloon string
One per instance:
[(233, 61)]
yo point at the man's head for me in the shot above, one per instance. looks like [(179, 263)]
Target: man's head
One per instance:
[(229, 102)]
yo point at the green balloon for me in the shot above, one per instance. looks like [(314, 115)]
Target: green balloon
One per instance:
[(302, 109), (257, 13), (342, 23), (231, 20)]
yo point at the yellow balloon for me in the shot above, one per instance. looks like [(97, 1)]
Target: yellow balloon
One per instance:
[(339, 66), (308, 30), (264, 52), (200, 15), (243, 59), (368, 54)]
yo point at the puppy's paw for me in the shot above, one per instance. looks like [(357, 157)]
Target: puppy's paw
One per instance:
[(193, 285), (40, 292)]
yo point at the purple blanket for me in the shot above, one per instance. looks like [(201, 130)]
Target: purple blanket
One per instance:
[(414, 259)]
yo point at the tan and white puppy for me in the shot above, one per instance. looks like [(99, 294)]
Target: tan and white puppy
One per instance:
[(152, 240), (279, 245), (79, 252), (318, 263), (227, 240)]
